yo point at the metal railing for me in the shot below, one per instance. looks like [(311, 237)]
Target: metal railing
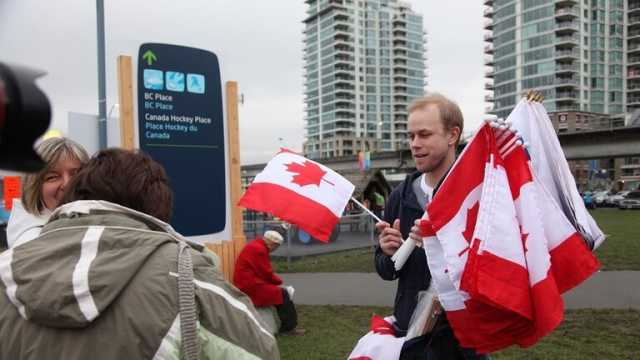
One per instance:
[(360, 225)]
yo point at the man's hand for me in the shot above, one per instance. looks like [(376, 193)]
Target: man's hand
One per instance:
[(390, 238), (416, 233)]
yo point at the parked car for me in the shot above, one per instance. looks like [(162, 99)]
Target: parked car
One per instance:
[(588, 200), (615, 199), (600, 198), (631, 201)]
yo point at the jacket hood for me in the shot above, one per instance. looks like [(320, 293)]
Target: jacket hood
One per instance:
[(408, 197), (85, 256)]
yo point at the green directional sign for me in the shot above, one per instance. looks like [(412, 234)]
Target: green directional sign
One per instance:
[(150, 57)]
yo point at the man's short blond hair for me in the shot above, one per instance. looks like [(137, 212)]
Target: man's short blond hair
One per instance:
[(449, 111)]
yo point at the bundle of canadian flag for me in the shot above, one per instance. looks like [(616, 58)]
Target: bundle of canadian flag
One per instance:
[(500, 249)]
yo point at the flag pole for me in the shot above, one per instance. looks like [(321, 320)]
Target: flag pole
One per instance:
[(365, 209)]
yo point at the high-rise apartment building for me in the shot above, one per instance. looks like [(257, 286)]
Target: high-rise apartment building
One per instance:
[(364, 61), (583, 55)]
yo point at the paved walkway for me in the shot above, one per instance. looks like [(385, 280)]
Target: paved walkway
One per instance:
[(606, 289)]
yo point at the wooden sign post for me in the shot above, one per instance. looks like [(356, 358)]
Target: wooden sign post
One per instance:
[(125, 97), (229, 250)]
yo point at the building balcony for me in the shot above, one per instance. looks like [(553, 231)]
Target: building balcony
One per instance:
[(568, 108), (488, 61), (488, 2), (633, 20), (566, 96), (399, 23), (343, 23), (488, 98), (568, 40), (488, 12), (633, 100), (633, 88), (488, 24), (567, 54), (341, 16), (566, 2), (399, 33), (633, 34), (341, 46), (561, 82), (488, 37), (343, 98), (569, 68), (402, 72), (567, 13), (567, 26), (633, 74), (343, 27), (345, 107), (342, 88), (489, 85), (342, 66), (399, 107), (488, 109), (400, 88), (345, 118), (488, 49), (400, 42), (489, 74), (633, 7), (400, 62), (634, 48)]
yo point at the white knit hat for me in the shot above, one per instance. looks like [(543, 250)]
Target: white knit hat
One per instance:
[(275, 235)]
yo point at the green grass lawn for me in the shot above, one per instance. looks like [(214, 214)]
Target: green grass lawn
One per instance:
[(332, 332), (621, 250), (358, 260)]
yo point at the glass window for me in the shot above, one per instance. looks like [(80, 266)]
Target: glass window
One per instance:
[(597, 83), (615, 83), (615, 56), (539, 13), (615, 70)]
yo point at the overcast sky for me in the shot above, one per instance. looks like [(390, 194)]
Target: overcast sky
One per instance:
[(258, 42)]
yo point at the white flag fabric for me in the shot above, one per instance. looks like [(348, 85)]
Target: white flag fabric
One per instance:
[(550, 166), (380, 343)]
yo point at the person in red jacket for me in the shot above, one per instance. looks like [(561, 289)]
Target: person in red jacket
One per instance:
[(254, 276)]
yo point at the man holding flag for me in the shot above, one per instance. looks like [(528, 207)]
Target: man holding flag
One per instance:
[(435, 125)]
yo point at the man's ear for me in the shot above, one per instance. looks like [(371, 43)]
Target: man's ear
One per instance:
[(454, 136)]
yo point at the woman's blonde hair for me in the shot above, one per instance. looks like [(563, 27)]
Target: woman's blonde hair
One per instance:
[(51, 150)]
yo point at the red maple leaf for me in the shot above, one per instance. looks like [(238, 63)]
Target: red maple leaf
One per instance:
[(472, 216), (524, 237), (308, 173)]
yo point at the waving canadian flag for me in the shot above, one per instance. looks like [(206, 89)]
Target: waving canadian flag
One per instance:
[(300, 191), (499, 251)]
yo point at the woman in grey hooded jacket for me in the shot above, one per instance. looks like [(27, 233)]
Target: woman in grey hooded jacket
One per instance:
[(108, 278)]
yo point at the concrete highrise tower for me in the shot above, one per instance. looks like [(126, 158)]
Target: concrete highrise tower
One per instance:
[(364, 61)]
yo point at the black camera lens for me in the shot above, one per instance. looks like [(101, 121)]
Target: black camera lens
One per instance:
[(25, 114)]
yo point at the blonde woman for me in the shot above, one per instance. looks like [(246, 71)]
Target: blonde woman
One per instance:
[(42, 191)]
